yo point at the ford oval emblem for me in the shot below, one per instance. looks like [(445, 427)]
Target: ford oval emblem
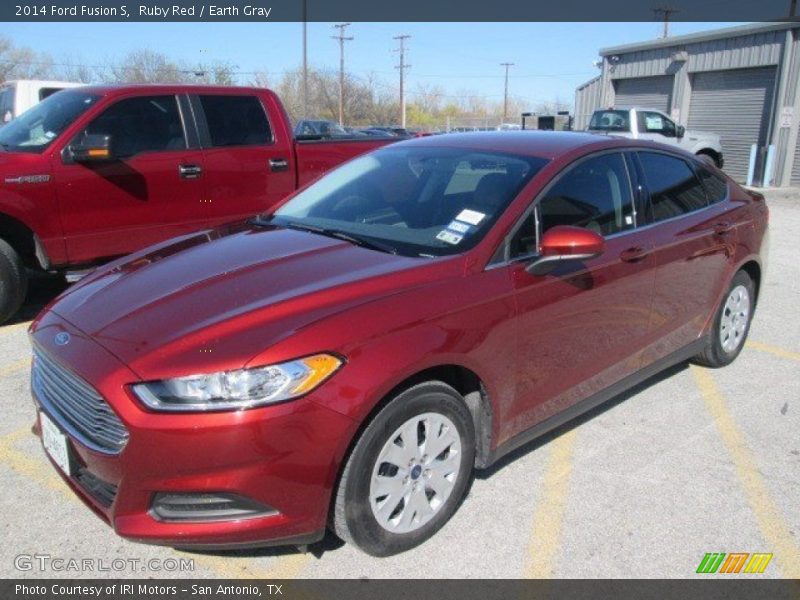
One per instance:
[(62, 338)]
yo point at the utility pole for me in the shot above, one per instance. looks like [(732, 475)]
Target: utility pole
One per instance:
[(507, 65), (305, 59), (342, 39), (402, 67), (664, 12)]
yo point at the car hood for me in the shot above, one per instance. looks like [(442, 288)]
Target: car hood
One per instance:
[(224, 295)]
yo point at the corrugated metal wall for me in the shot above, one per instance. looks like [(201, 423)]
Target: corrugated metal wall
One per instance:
[(736, 105), (647, 92), (755, 50), (587, 99), (795, 179)]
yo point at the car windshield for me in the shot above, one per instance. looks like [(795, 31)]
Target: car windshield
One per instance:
[(35, 129), (610, 120), (414, 201)]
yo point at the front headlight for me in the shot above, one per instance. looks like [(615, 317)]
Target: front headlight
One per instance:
[(237, 390)]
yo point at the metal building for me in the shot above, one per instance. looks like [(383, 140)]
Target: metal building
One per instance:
[(741, 83)]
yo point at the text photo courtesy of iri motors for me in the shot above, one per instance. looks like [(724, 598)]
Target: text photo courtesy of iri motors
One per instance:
[(341, 300)]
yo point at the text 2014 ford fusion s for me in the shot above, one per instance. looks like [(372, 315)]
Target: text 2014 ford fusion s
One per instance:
[(347, 360)]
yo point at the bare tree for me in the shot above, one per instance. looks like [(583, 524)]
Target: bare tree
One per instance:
[(23, 63)]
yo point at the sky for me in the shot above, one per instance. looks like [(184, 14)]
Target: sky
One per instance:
[(550, 59)]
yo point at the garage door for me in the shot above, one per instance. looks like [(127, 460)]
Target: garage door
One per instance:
[(735, 104), (646, 92)]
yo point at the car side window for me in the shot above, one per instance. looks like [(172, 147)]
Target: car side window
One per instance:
[(141, 124), (236, 120), (595, 194), (653, 122), (674, 188), (716, 187)]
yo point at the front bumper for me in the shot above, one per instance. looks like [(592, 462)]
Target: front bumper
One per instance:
[(284, 456)]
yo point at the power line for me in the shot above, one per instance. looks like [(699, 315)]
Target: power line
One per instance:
[(342, 39), (402, 68)]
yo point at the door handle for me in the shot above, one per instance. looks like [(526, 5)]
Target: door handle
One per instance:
[(278, 164), (635, 254), (189, 171), (723, 227)]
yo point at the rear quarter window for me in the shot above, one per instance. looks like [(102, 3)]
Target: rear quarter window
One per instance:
[(716, 187)]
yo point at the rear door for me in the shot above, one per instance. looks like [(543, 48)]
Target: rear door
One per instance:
[(149, 192), (693, 243), (581, 327), (248, 168)]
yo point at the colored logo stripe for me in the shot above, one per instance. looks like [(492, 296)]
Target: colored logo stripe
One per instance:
[(713, 562)]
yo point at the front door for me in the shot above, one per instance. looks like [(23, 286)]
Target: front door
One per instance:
[(582, 327), (148, 192)]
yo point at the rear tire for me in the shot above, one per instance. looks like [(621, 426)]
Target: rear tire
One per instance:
[(731, 323), (707, 157), (408, 472), (13, 281)]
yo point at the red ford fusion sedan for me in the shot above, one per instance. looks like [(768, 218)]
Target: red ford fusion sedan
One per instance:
[(347, 361)]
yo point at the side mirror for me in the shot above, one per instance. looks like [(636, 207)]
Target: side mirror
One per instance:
[(91, 147), (681, 131), (565, 243)]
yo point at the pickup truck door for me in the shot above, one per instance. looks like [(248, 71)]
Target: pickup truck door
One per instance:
[(147, 192), (656, 127), (249, 163)]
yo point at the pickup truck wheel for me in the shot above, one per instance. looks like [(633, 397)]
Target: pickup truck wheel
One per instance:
[(13, 281), (731, 323), (708, 158), (408, 472)]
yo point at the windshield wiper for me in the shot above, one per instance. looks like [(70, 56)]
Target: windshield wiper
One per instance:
[(341, 235)]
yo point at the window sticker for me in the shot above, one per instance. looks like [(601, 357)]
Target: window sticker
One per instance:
[(473, 217), (459, 227), (449, 237)]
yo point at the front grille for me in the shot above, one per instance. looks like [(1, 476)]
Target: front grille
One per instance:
[(77, 407), (100, 490)]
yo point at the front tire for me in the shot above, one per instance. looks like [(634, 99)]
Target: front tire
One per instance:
[(731, 323), (408, 472), (13, 281)]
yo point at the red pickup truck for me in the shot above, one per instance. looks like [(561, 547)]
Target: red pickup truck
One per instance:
[(97, 172)]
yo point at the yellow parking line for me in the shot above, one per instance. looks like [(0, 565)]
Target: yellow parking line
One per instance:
[(17, 365), (547, 523), (770, 522), (289, 566), (9, 329), (788, 354), (38, 470)]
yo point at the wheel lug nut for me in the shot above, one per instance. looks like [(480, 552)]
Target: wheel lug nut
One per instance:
[(427, 473)]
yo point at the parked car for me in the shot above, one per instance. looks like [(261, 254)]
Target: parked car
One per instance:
[(19, 95), (654, 125), (97, 172), (347, 359), (320, 128)]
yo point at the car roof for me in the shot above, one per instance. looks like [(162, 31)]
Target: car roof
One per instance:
[(543, 144), (165, 88)]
